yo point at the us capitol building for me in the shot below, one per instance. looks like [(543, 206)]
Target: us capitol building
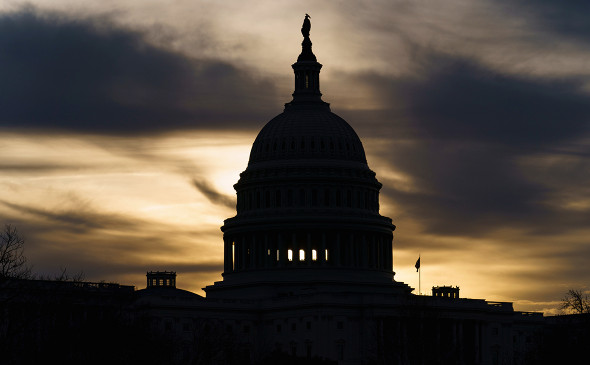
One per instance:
[(308, 266), (308, 263)]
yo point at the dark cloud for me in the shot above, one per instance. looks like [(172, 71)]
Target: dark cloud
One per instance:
[(35, 168), (78, 219), (88, 75), (449, 97), (568, 18), (213, 195), (460, 131), (463, 188)]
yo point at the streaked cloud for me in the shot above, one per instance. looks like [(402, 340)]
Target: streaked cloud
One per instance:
[(214, 196), (88, 75), (125, 126)]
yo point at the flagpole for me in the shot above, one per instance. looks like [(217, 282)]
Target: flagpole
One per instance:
[(417, 266)]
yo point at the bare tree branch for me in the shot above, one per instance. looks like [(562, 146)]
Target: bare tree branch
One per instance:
[(575, 301), (13, 262), (64, 275)]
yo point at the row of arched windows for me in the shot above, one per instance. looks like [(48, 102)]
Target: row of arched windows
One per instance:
[(307, 80), (308, 144), (306, 197), (306, 171)]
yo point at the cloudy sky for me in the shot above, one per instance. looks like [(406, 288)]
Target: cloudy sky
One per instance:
[(124, 125)]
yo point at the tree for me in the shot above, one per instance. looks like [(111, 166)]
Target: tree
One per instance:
[(576, 301), (13, 263)]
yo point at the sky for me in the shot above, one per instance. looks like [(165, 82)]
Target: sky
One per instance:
[(124, 125)]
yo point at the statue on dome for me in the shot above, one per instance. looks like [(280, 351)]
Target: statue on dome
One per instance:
[(306, 27)]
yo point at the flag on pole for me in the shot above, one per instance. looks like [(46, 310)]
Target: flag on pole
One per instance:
[(417, 265)]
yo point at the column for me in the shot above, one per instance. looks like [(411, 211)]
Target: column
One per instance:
[(266, 257), (253, 259), (356, 246), (461, 347), (282, 250), (308, 250), (373, 252), (389, 254), (227, 256), (237, 259), (351, 254), (322, 250), (337, 251), (384, 252), (380, 252), (295, 249), (364, 252), (244, 253)]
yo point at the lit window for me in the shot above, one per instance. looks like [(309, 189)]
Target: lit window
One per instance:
[(314, 255), (290, 255), (301, 255), (326, 254), (277, 255)]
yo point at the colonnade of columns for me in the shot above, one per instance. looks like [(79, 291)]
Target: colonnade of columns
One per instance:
[(248, 251), (421, 339)]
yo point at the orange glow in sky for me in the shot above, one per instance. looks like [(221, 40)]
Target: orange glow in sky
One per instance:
[(124, 125)]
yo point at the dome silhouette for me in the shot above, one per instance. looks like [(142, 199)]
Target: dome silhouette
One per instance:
[(307, 133), (307, 211)]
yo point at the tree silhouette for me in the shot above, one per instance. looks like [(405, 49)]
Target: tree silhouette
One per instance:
[(576, 301), (13, 263)]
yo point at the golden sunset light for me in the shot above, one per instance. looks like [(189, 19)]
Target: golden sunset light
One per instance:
[(124, 126)]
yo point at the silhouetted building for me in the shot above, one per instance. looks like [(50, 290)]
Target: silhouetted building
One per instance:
[(161, 279), (308, 263), (308, 270), (445, 291), (307, 206)]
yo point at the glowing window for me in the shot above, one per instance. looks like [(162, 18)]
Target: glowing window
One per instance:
[(326, 254), (314, 255), (290, 255), (301, 255)]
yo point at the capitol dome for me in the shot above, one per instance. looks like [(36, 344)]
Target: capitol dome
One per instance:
[(307, 211), (307, 133)]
